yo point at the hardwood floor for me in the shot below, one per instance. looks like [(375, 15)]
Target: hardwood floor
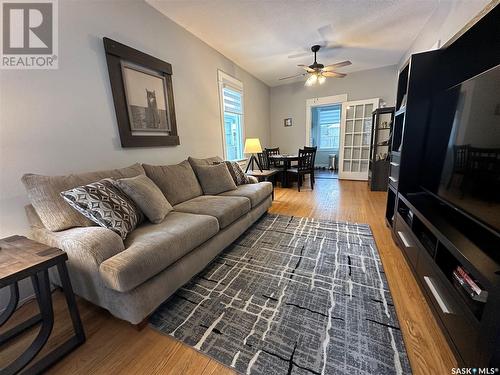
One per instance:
[(114, 346)]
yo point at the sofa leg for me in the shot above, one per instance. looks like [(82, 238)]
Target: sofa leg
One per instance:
[(141, 325)]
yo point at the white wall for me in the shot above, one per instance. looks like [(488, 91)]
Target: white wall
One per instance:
[(290, 101), (447, 20), (63, 121)]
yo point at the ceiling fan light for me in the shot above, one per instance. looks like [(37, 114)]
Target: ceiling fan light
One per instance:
[(321, 79), (313, 78)]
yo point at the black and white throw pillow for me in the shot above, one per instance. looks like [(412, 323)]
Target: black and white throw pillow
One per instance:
[(106, 205), (238, 175)]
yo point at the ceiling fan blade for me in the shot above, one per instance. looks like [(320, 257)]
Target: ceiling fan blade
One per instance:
[(333, 74), (306, 67), (295, 76), (336, 65), (326, 32), (330, 47), (327, 35)]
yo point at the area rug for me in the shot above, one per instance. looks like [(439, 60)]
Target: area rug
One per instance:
[(292, 296)]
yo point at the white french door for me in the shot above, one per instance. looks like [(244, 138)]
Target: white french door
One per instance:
[(355, 138)]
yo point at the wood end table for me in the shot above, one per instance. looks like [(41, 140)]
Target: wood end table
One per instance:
[(21, 258)]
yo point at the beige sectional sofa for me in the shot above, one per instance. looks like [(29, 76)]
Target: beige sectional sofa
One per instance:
[(132, 277)]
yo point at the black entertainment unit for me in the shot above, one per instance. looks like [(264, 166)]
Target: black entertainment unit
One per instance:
[(453, 251)]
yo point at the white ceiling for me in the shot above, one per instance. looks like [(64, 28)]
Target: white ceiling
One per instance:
[(260, 35)]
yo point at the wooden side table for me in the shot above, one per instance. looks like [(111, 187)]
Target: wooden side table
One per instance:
[(21, 258), (265, 174)]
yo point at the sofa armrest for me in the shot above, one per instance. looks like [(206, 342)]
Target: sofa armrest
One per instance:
[(87, 248), (82, 244)]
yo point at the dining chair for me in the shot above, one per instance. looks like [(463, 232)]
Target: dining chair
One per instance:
[(265, 164), (263, 160), (271, 152), (305, 166), (315, 149)]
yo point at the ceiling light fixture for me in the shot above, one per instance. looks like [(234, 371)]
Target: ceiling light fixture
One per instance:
[(318, 73), (313, 78)]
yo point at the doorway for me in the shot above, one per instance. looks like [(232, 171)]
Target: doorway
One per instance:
[(323, 122), (325, 135)]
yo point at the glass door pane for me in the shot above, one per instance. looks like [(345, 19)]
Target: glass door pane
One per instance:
[(356, 139)]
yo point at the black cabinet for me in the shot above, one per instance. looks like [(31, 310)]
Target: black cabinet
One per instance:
[(380, 155), (435, 245), (442, 245)]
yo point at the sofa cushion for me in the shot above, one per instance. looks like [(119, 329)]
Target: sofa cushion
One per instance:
[(214, 179), (207, 161), (255, 192), (177, 182), (144, 192), (106, 205), (54, 212), (225, 209), (153, 247)]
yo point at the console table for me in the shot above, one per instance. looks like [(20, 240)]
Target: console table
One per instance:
[(21, 258)]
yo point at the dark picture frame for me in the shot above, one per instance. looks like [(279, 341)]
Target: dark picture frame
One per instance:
[(287, 122), (138, 77)]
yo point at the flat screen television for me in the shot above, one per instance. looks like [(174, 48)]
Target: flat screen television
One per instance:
[(462, 156)]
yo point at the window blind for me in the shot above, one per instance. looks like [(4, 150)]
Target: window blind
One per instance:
[(329, 116), (232, 100)]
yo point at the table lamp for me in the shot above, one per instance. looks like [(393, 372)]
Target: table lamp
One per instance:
[(252, 146)]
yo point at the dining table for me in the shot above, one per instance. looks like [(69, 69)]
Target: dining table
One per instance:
[(285, 161)]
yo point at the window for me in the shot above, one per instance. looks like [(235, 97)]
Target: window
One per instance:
[(327, 130), (231, 94)]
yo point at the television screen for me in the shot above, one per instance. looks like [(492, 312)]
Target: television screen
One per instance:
[(462, 158)]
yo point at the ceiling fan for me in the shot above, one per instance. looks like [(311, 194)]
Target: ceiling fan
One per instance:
[(318, 73)]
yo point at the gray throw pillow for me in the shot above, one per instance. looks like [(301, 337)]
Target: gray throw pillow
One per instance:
[(143, 191), (106, 205), (195, 162), (177, 182), (214, 179)]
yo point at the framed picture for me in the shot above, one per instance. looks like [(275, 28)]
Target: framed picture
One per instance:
[(146, 96), (288, 121), (143, 97)]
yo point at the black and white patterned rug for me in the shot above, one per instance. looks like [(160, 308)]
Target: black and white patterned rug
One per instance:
[(292, 296)]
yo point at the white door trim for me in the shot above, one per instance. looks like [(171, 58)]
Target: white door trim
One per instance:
[(363, 176), (319, 102)]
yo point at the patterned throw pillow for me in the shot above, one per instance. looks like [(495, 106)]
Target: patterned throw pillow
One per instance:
[(106, 205), (238, 175)]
